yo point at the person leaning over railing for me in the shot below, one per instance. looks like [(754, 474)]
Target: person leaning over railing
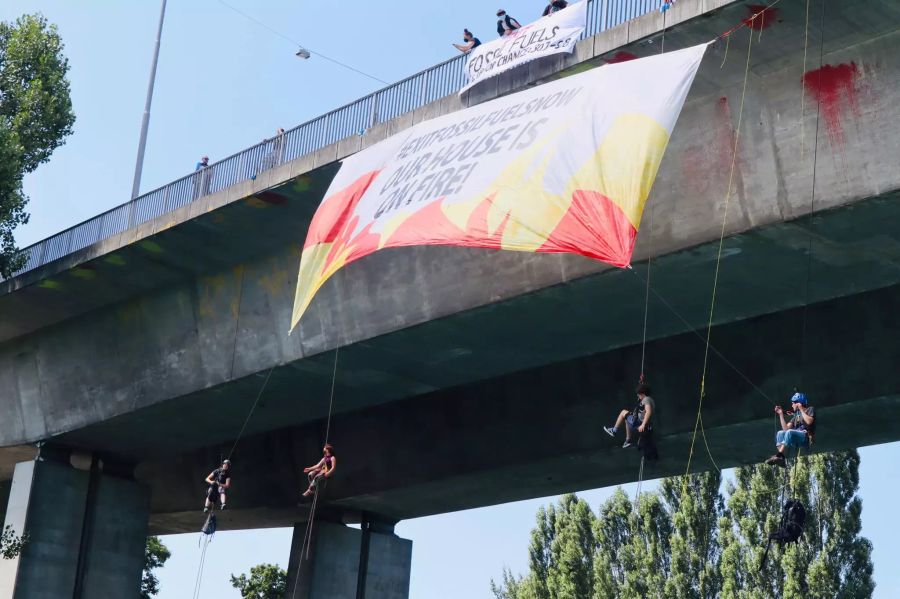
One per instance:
[(202, 176), (506, 25), (470, 42), (554, 6)]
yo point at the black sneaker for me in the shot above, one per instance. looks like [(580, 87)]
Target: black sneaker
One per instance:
[(205, 510), (777, 460), (610, 431), (222, 507)]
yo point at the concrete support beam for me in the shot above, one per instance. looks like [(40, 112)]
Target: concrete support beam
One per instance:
[(86, 533), (349, 563)]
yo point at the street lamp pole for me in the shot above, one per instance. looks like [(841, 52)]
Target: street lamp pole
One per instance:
[(145, 121)]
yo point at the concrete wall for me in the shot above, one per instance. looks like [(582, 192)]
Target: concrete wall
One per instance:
[(337, 552), (83, 541)]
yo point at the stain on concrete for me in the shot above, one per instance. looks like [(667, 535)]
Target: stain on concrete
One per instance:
[(255, 202), (236, 299), (270, 197), (621, 57), (115, 260), (151, 246), (275, 281), (760, 16), (84, 272), (50, 284), (301, 184), (210, 288), (835, 87)]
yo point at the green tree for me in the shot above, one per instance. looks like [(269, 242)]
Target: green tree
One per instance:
[(10, 544), (695, 505), (155, 556), (612, 530), (570, 575), (687, 542), (266, 581), (645, 557), (35, 116), (842, 567)]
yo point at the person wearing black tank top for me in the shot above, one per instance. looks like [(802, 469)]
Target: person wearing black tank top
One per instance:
[(323, 469), (470, 42), (218, 480)]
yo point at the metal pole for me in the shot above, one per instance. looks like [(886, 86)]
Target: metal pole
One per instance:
[(145, 121)]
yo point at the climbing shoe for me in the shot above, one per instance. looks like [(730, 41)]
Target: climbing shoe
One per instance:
[(777, 460)]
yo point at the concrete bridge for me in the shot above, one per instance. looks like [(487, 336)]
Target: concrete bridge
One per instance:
[(467, 378)]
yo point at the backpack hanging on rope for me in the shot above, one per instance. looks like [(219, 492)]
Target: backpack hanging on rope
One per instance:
[(793, 516), (209, 526)]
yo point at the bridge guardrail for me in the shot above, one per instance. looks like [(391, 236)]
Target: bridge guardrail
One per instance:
[(352, 119)]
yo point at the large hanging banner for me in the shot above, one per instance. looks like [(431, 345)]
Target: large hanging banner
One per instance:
[(562, 167), (548, 35)]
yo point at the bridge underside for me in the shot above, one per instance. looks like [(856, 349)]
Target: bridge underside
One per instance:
[(762, 271), (538, 432)]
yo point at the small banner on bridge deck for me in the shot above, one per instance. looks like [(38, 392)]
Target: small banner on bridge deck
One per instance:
[(562, 167), (548, 35)]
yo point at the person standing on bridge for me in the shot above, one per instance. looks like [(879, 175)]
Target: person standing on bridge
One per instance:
[(218, 480), (636, 421), (554, 6), (796, 432), (323, 469), (470, 42), (201, 178), (506, 25)]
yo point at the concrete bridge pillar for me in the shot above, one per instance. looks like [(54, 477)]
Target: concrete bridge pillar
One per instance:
[(86, 531), (349, 563)]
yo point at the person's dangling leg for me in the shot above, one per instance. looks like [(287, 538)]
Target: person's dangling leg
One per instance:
[(222, 499), (630, 429), (780, 441), (612, 430), (312, 477)]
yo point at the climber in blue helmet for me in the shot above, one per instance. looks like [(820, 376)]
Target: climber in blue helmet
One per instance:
[(796, 432)]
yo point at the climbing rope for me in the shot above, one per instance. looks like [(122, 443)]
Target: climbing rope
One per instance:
[(640, 482), (812, 196), (310, 522), (205, 541), (712, 305), (712, 348), (250, 413)]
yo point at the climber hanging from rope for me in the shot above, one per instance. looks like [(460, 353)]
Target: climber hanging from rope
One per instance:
[(323, 469), (218, 480), (797, 432), (637, 421)]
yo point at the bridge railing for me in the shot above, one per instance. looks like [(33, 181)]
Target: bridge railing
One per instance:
[(353, 119)]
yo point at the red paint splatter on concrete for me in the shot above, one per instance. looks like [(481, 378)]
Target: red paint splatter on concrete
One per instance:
[(724, 145), (621, 57), (270, 197), (833, 87), (706, 164), (766, 16)]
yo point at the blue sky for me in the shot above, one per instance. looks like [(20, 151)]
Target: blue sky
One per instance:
[(224, 83)]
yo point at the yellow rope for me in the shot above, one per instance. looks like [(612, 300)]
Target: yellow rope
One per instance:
[(712, 305)]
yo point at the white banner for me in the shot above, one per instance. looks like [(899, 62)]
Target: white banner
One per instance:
[(548, 35), (561, 167)]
